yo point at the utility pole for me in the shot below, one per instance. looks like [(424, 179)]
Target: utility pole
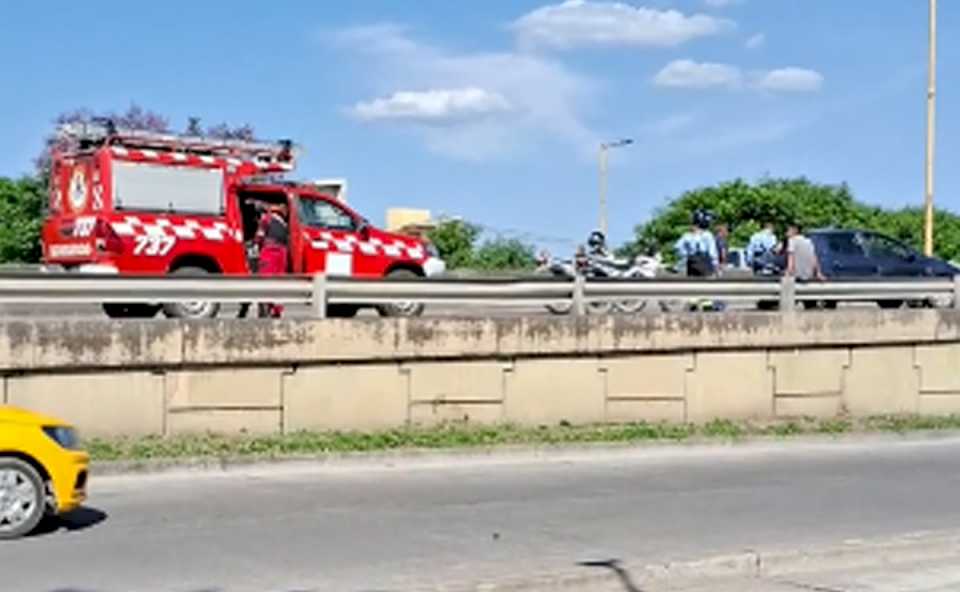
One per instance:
[(931, 132), (604, 165)]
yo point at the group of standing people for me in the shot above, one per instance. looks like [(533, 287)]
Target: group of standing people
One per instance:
[(702, 253), (802, 262)]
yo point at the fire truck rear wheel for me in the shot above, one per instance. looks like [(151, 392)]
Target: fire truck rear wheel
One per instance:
[(191, 310), (402, 309)]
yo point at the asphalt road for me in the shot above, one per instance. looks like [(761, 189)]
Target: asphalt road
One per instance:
[(922, 576), (375, 527)]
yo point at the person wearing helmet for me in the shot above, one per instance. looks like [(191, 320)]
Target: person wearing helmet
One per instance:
[(697, 248), (597, 244)]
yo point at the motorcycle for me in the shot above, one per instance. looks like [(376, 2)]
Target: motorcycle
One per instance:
[(597, 265), (643, 266), (559, 268)]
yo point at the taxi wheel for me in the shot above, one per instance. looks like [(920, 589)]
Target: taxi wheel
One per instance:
[(402, 309), (21, 498)]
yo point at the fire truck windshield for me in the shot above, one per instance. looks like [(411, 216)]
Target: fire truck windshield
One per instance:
[(320, 213)]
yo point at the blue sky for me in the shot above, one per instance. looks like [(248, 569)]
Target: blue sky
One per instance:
[(493, 109)]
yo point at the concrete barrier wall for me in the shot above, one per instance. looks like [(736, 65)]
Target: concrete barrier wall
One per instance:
[(267, 377)]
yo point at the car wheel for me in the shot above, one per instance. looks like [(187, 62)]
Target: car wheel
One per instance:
[(768, 305), (191, 310), (21, 498), (402, 309), (342, 311), (890, 304), (131, 310)]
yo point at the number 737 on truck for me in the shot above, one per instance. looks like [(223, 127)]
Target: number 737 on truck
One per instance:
[(133, 202)]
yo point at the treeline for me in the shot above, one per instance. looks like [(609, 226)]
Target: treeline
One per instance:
[(745, 206)]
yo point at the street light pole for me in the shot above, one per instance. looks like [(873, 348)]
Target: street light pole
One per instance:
[(604, 165), (931, 132), (604, 150)]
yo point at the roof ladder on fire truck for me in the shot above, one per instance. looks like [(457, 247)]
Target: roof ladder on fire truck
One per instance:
[(103, 132)]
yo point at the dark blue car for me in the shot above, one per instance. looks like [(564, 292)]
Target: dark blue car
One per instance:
[(866, 254), (863, 253)]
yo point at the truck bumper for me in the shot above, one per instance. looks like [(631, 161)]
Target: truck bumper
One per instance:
[(434, 267), (100, 268)]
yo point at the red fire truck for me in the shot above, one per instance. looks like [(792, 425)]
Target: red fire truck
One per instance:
[(133, 202)]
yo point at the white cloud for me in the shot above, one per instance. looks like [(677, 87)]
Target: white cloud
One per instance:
[(703, 75), (756, 41), (580, 23), (690, 74), (438, 106), (795, 80), (375, 38), (516, 101)]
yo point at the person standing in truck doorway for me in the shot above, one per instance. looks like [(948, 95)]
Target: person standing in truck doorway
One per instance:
[(273, 238)]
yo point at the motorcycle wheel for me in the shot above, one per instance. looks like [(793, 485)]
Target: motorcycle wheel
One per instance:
[(630, 306), (560, 308), (600, 307)]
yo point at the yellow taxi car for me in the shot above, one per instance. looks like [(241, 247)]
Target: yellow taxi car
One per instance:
[(42, 470)]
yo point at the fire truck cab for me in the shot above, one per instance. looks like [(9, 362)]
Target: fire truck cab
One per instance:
[(133, 202)]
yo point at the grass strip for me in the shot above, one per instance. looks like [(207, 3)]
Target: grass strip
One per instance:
[(465, 436)]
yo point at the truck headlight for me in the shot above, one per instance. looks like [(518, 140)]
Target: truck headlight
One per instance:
[(65, 436)]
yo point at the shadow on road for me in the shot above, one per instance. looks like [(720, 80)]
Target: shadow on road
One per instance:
[(614, 565), (80, 519)]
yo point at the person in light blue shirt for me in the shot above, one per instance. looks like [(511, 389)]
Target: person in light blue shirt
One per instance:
[(762, 244), (697, 248)]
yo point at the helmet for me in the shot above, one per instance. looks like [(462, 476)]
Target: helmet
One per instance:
[(596, 240), (702, 219)]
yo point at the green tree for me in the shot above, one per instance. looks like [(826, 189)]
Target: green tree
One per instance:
[(21, 214), (455, 241), (505, 253), (746, 206)]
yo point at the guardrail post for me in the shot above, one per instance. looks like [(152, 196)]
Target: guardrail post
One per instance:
[(319, 296), (579, 300), (956, 291), (788, 293)]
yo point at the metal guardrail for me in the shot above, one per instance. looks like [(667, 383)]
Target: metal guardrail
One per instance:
[(321, 291)]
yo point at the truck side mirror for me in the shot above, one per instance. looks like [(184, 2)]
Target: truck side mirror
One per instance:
[(363, 229)]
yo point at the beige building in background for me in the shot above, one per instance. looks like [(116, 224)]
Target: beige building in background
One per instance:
[(409, 221)]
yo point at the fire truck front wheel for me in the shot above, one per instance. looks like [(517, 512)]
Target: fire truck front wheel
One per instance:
[(402, 309), (191, 310)]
